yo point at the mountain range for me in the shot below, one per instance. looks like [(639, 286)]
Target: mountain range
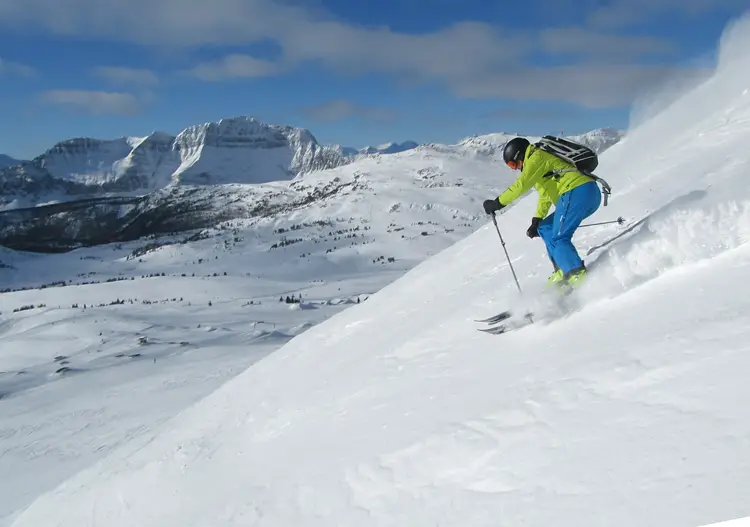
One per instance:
[(86, 191)]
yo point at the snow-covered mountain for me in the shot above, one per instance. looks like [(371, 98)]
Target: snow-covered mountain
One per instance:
[(7, 161), (236, 150), (389, 148), (386, 148), (183, 199), (422, 177), (629, 409), (346, 151), (239, 150), (601, 139)]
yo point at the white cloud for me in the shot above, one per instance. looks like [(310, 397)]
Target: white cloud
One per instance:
[(177, 23), (474, 59), (589, 85), (584, 42), (14, 68), (339, 109), (123, 75), (94, 102), (233, 67)]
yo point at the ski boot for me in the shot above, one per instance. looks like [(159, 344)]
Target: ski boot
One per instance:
[(576, 277), (555, 279)]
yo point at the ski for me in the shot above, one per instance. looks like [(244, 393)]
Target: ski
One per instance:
[(504, 328), (496, 328), (496, 318)]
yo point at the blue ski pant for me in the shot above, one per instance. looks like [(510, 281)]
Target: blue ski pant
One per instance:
[(557, 229)]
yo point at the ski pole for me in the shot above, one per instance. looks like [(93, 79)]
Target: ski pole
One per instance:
[(494, 220), (619, 220)]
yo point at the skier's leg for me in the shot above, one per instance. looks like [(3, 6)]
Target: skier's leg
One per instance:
[(545, 231), (573, 207)]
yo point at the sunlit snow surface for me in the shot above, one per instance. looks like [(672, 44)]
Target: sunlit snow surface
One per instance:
[(632, 410)]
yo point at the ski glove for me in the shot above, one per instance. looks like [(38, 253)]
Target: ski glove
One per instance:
[(533, 231), (492, 205)]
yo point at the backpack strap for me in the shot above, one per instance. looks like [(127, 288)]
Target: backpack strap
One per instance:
[(557, 173), (606, 189)]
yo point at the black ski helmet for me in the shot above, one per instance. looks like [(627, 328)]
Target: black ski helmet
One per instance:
[(515, 149)]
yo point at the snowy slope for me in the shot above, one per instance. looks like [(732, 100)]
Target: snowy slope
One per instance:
[(333, 236), (631, 411)]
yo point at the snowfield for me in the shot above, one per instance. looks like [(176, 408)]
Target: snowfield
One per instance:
[(208, 308), (623, 405)]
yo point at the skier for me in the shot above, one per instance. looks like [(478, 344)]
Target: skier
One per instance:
[(575, 195)]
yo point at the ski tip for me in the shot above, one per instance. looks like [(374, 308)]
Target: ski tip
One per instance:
[(496, 318), (494, 330)]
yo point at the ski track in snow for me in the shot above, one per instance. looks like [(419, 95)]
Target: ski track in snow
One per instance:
[(629, 410)]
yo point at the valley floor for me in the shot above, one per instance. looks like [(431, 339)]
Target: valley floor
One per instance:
[(90, 367)]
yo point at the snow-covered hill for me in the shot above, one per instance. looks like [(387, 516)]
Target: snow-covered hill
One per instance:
[(235, 150), (631, 410)]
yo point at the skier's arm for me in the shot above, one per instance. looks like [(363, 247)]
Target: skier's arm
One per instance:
[(532, 172)]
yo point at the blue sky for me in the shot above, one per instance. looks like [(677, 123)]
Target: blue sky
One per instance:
[(353, 73)]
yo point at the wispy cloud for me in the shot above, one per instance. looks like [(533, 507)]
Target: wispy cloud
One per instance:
[(14, 68), (473, 59), (580, 41), (339, 109), (589, 85), (127, 76), (94, 102), (233, 67)]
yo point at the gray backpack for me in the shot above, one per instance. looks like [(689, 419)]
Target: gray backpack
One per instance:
[(580, 156)]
